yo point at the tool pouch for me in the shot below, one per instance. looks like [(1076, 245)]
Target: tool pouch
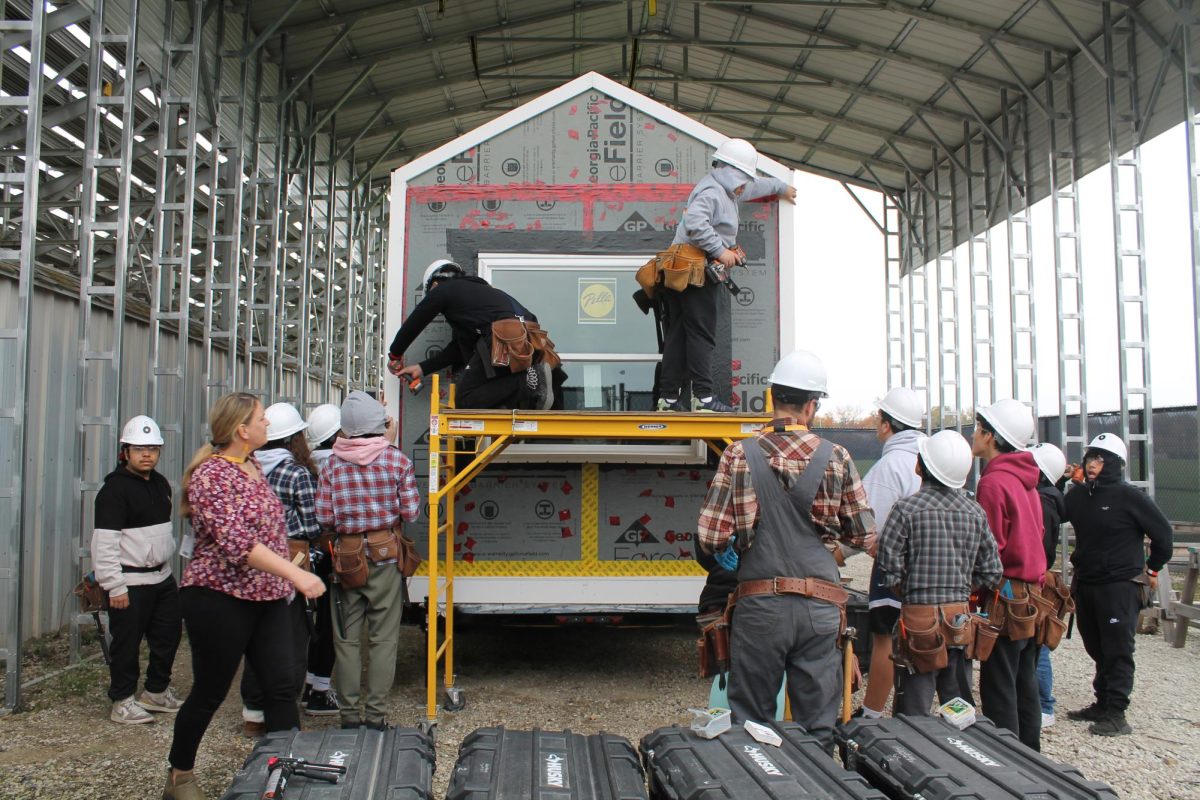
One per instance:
[(382, 546), (648, 277), (713, 645), (299, 546), (921, 640), (92, 598), (681, 265), (410, 559), (1016, 616), (986, 635), (957, 624), (540, 339), (1054, 603), (350, 560), (510, 345)]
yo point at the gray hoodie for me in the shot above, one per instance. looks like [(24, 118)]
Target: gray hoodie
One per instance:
[(710, 220), (893, 476)]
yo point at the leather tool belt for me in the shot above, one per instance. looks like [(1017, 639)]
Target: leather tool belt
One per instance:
[(805, 587), (514, 342)]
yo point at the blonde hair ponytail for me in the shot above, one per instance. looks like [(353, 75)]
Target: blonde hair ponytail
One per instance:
[(227, 414)]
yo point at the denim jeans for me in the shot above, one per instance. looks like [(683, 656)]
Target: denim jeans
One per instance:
[(1045, 676)]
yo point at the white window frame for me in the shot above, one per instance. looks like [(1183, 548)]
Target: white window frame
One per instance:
[(588, 452)]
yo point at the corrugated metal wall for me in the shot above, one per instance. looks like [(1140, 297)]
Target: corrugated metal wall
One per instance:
[(55, 526)]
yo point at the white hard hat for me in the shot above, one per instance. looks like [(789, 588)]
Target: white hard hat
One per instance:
[(802, 370), (323, 421), (1050, 460), (738, 153), (1111, 443), (904, 406), (1012, 421), (947, 457), (141, 430), (442, 268), (282, 421)]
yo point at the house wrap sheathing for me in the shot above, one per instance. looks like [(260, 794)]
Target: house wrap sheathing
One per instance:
[(558, 202)]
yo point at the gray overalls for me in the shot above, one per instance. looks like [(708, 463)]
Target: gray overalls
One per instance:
[(777, 635)]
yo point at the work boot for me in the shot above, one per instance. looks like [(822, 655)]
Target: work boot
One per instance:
[(1047, 720), (1112, 724), (669, 405), (253, 730), (128, 712), (164, 701), (1091, 713), (376, 725), (182, 787), (321, 704), (712, 404)]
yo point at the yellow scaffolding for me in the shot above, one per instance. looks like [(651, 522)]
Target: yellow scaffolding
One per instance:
[(491, 432)]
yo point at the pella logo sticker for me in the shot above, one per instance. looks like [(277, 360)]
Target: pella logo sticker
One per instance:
[(971, 751), (555, 771), (764, 763)]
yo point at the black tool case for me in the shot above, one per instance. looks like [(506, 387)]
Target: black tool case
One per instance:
[(858, 617), (927, 757), (682, 766), (396, 764), (501, 764)]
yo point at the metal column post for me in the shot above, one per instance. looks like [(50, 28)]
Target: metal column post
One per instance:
[(296, 236), (945, 209), (223, 248), (267, 158), (979, 262), (1129, 238), (107, 170), (1191, 69), (1019, 228), (893, 271), (174, 211), (918, 305), (18, 242), (1068, 257)]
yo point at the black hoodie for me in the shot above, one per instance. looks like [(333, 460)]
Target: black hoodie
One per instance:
[(470, 305), (1112, 518), (1054, 511)]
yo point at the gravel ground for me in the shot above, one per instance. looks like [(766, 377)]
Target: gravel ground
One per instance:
[(627, 681)]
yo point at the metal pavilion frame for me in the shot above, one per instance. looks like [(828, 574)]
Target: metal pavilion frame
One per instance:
[(192, 163), (110, 173)]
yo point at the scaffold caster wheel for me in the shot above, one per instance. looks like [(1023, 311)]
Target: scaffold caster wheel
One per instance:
[(429, 728), (454, 699)]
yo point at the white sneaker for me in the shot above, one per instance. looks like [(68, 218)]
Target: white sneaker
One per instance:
[(128, 712), (1047, 720), (164, 701)]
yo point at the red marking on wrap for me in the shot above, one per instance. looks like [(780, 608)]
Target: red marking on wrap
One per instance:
[(543, 486), (470, 543), (644, 518), (462, 528), (670, 502), (601, 192), (469, 507), (694, 474), (469, 558), (614, 520), (466, 489), (564, 515), (458, 547), (566, 487), (646, 493), (573, 134), (736, 364), (573, 110), (567, 533), (685, 553)]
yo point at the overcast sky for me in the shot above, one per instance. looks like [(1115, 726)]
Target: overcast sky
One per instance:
[(842, 289)]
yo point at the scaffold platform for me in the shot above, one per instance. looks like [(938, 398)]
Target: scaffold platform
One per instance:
[(462, 442)]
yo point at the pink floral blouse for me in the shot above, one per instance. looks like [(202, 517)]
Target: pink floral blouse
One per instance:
[(232, 512)]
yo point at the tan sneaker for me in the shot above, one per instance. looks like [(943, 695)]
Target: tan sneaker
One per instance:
[(127, 712), (164, 701), (183, 787)]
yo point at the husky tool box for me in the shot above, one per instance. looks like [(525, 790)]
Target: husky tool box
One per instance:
[(396, 764), (682, 766), (499, 764), (926, 757)]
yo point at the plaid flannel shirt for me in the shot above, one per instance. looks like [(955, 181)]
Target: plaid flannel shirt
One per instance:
[(353, 498), (297, 490), (937, 546), (840, 510)]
